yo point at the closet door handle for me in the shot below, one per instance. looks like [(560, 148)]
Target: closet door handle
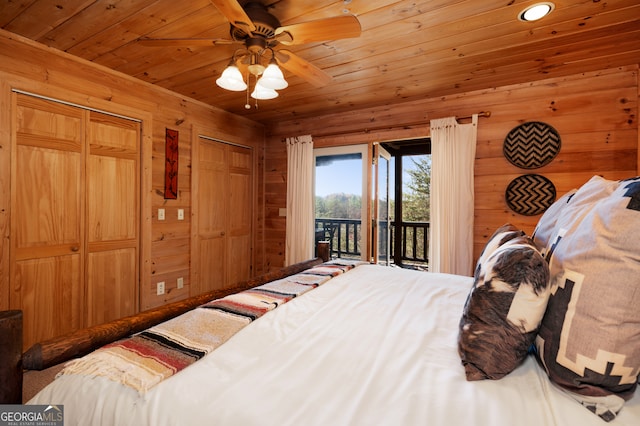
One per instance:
[(75, 248)]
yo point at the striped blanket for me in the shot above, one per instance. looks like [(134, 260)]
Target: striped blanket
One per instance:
[(145, 359)]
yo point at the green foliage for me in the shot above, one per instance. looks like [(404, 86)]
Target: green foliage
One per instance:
[(416, 202), (339, 206)]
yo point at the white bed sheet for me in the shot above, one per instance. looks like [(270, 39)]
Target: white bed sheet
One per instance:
[(375, 346)]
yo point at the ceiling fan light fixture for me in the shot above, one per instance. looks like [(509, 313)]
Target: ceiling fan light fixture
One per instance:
[(255, 66), (231, 79), (272, 77), (253, 25), (536, 11), (256, 69), (263, 93)]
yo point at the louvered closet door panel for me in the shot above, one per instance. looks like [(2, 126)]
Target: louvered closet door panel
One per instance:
[(47, 231), (113, 211)]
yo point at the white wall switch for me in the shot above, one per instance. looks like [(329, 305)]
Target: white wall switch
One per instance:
[(180, 282), (160, 214), (180, 214), (160, 288)]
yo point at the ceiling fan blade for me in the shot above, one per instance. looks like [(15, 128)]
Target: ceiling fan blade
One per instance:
[(320, 30), (155, 42), (234, 13), (303, 69)]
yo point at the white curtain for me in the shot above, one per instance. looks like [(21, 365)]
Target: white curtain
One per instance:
[(300, 215), (453, 150)]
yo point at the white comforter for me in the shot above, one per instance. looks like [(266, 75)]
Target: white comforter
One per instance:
[(375, 346)]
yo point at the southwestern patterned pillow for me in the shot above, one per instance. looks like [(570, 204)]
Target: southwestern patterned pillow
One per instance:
[(589, 340), (505, 306)]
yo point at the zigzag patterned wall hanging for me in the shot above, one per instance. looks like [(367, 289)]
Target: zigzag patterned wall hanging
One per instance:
[(531, 145), (530, 195)]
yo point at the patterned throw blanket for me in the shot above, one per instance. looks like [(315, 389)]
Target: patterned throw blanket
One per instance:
[(145, 359)]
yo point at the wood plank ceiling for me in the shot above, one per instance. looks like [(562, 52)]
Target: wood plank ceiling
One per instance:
[(407, 49)]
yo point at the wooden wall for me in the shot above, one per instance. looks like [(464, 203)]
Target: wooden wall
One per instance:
[(31, 67), (595, 113)]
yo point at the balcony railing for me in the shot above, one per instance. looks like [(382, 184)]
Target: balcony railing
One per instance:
[(342, 235), (414, 243)]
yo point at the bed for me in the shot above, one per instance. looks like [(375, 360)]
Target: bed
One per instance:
[(376, 345), (372, 345)]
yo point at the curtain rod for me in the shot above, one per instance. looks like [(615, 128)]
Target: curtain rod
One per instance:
[(401, 126), (480, 114)]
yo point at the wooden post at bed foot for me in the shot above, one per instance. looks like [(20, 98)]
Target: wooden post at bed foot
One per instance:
[(59, 349), (323, 250), (11, 357)]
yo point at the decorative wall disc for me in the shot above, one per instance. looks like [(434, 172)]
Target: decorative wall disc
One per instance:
[(531, 145), (530, 195)]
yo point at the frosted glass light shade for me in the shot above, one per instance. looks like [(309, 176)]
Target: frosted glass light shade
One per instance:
[(262, 93), (536, 11), (272, 78), (231, 79)]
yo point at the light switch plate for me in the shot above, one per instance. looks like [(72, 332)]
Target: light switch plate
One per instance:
[(160, 214), (180, 214), (180, 282), (160, 288)]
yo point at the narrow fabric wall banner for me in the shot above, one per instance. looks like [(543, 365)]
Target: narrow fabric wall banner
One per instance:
[(171, 165)]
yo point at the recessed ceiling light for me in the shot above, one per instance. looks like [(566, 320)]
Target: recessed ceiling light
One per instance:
[(536, 11)]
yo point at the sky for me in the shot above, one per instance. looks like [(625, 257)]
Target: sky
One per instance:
[(340, 176), (345, 176)]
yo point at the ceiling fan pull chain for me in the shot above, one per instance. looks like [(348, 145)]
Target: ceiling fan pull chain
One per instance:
[(247, 105)]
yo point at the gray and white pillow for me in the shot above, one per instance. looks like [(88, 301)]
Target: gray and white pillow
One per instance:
[(547, 223), (589, 340)]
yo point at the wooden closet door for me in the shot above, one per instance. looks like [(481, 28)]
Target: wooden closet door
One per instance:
[(113, 211), (223, 202), (212, 207), (47, 231), (240, 218)]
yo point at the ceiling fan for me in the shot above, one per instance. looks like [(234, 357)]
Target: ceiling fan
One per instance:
[(254, 27)]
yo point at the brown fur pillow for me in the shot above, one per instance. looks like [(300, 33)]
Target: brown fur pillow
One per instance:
[(505, 306)]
